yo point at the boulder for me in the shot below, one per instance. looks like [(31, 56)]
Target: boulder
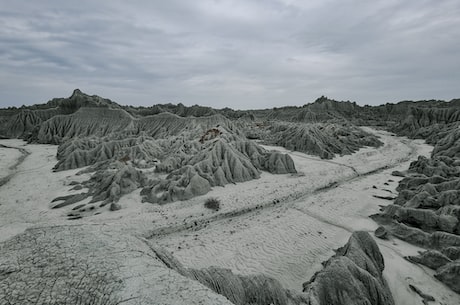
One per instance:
[(381, 232)]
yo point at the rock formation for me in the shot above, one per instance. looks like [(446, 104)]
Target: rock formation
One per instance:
[(352, 276), (25, 121), (43, 266), (430, 258), (449, 274), (141, 150), (238, 289), (110, 181), (174, 152), (321, 139), (183, 156), (447, 268), (426, 211), (213, 163)]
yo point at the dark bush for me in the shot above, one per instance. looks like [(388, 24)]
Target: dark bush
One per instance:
[(212, 203)]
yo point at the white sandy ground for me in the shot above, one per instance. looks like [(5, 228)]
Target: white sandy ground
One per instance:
[(287, 240), (8, 157), (26, 198)]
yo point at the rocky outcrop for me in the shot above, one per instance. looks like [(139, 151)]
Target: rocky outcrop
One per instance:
[(448, 144), (352, 276), (106, 186), (429, 196), (449, 274), (431, 258), (85, 122), (78, 100), (322, 109), (451, 252), (185, 157), (142, 151), (23, 124), (238, 289), (26, 121), (410, 118), (447, 270), (179, 109), (424, 121), (104, 121), (321, 139), (119, 179), (423, 218), (426, 211), (434, 240), (213, 163)]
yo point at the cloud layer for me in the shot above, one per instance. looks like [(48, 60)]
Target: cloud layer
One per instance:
[(240, 54)]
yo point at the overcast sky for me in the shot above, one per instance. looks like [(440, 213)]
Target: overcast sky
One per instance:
[(240, 54)]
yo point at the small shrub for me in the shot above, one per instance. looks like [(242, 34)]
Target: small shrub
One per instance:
[(212, 204), (124, 159)]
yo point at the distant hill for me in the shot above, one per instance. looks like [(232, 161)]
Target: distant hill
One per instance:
[(404, 117)]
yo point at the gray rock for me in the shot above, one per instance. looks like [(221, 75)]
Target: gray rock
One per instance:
[(213, 163), (115, 206), (352, 276), (435, 240), (381, 232), (321, 139), (398, 174), (449, 274), (451, 252), (432, 259)]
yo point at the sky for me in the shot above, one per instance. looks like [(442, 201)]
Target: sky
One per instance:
[(222, 53)]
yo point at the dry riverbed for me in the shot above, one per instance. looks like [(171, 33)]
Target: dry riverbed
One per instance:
[(280, 225)]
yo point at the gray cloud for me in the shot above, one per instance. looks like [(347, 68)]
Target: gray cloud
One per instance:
[(242, 54)]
